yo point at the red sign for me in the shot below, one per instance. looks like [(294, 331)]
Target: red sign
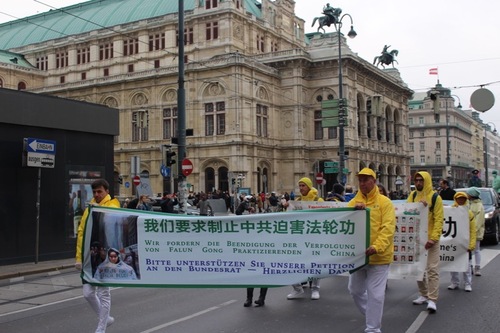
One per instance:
[(136, 180), (319, 177), (187, 167)]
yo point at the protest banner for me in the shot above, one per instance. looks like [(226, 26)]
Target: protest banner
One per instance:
[(229, 251)]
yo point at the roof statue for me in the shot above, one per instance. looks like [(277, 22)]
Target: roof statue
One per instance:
[(331, 17), (387, 58)]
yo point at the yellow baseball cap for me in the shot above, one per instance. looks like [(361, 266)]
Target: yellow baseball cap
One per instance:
[(367, 172)]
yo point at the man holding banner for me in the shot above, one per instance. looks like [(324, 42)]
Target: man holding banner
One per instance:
[(367, 285), (99, 298), (424, 193)]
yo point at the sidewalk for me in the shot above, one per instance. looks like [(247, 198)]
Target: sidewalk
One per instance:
[(20, 270)]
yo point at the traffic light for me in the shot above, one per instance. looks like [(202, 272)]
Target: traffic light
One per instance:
[(120, 179), (170, 160), (233, 181)]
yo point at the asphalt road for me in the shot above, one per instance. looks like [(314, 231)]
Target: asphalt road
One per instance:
[(53, 303)]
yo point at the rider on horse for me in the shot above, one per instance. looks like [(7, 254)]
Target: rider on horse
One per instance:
[(332, 13)]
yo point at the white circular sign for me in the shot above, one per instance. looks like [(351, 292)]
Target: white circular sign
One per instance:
[(482, 100)]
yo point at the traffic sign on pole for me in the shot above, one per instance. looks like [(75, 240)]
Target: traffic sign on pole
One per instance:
[(319, 177), (136, 180), (187, 167)]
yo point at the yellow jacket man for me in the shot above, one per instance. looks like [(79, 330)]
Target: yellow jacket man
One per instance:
[(367, 285), (99, 298), (424, 193)]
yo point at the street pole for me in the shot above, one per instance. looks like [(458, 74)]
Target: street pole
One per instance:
[(181, 116), (342, 103)]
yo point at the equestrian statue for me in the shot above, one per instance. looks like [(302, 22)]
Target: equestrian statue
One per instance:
[(331, 17), (387, 58)]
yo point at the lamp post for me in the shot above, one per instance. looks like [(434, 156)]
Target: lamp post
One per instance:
[(486, 148), (342, 103)]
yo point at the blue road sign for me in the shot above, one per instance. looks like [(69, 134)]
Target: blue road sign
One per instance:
[(34, 145), (164, 170)]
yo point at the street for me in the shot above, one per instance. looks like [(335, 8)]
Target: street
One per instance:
[(53, 303)]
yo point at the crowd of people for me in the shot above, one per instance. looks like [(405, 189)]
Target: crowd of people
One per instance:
[(367, 285)]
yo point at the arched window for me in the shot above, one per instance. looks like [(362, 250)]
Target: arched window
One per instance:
[(21, 86), (1, 83)]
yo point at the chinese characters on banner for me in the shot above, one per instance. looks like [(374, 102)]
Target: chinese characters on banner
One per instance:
[(230, 251)]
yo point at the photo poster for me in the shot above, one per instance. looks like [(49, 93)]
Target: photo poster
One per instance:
[(79, 195), (270, 250)]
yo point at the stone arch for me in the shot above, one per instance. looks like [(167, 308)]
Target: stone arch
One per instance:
[(110, 101), (212, 89), (139, 99), (169, 96)]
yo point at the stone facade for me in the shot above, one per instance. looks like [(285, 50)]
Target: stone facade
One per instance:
[(254, 89)]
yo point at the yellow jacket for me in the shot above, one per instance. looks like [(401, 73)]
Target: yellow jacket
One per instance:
[(107, 202), (436, 216), (382, 224)]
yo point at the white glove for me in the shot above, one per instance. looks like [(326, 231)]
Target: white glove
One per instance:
[(78, 266)]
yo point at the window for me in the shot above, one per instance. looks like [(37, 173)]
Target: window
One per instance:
[(62, 59), (130, 46), (438, 158), (84, 76), (260, 43), (157, 41), (21, 86), (82, 55), (211, 4), (412, 146), (422, 146), (437, 118), (422, 134), (318, 128), (106, 71), (215, 119), (411, 134), (262, 116), (274, 47), (131, 68), (106, 51), (421, 120), (212, 30), (157, 63), (42, 63), (62, 79), (410, 121), (188, 36), (332, 132), (438, 144), (438, 132), (169, 122), (412, 160), (140, 124), (422, 158)]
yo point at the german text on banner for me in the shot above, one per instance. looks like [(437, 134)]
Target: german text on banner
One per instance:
[(162, 250)]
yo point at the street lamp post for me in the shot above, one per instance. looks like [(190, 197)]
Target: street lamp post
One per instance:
[(342, 103)]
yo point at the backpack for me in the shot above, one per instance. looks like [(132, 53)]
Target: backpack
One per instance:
[(434, 197)]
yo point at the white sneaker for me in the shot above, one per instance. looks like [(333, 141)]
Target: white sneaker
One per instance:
[(477, 270), (453, 286), (110, 321), (296, 293), (468, 288), (420, 300), (431, 306), (315, 295)]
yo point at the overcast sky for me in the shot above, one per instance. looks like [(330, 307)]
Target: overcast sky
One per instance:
[(457, 36)]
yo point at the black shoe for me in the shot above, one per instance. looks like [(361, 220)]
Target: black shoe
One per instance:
[(248, 303), (259, 302)]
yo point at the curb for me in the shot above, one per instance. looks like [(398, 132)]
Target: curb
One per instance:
[(34, 271)]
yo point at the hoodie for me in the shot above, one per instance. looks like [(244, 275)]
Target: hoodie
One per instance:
[(436, 216)]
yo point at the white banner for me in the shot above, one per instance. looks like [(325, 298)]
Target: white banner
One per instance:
[(230, 251), (410, 256)]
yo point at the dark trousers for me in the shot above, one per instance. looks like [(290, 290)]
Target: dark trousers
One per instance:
[(262, 295)]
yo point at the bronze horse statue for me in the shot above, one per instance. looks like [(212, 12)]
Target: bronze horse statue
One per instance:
[(331, 17), (387, 58)]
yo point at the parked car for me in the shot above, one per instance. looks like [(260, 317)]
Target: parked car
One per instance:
[(491, 214)]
